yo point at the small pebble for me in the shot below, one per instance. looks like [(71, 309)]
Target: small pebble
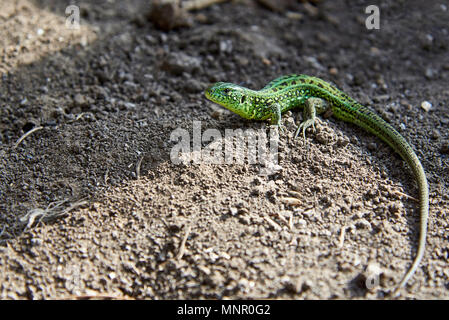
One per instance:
[(294, 15), (79, 99), (426, 105), (445, 147), (333, 71), (372, 146), (257, 181), (426, 41), (302, 223), (435, 134), (430, 73), (375, 51), (363, 224), (193, 86)]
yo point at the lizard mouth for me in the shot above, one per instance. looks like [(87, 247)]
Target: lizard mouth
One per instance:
[(216, 97), (208, 93), (213, 93)]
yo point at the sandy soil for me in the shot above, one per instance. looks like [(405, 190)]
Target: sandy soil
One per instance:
[(91, 203)]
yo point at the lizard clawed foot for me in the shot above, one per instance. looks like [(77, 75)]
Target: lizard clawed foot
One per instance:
[(303, 126), (311, 107)]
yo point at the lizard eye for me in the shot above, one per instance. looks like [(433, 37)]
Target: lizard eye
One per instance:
[(242, 99)]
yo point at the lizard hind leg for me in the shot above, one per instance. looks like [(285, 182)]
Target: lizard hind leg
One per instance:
[(311, 108)]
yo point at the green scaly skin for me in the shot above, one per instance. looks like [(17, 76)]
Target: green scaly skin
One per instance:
[(316, 96)]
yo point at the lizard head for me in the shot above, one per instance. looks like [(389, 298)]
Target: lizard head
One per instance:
[(231, 96)]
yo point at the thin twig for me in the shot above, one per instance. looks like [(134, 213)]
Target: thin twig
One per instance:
[(290, 221), (3, 230), (96, 297), (291, 201), (284, 220), (182, 246), (26, 135), (139, 162), (51, 211), (273, 224), (294, 194), (199, 4), (405, 195), (191, 4), (106, 176), (341, 239)]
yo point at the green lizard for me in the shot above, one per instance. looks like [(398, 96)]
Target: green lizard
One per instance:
[(316, 96)]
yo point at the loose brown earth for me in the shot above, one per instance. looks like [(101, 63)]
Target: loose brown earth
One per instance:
[(91, 204)]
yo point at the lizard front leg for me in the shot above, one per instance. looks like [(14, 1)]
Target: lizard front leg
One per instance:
[(276, 115)]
